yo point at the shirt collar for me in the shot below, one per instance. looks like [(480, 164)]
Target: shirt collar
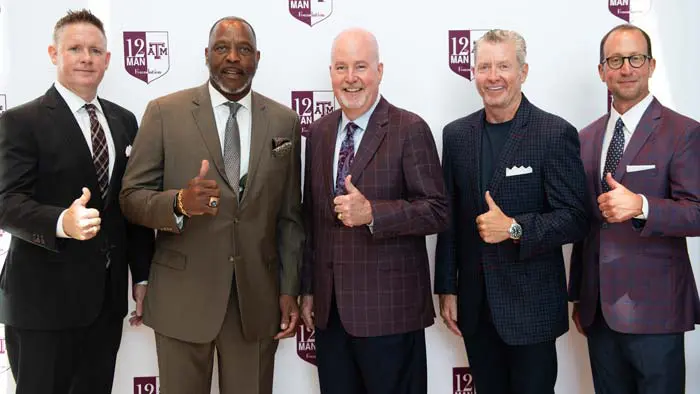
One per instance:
[(218, 99), (75, 102), (363, 119), (633, 116)]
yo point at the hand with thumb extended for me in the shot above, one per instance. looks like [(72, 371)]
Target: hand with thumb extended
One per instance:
[(200, 192), (492, 204), (349, 187), (80, 222), (611, 181)]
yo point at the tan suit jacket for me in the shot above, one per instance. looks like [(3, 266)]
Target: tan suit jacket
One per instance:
[(259, 241)]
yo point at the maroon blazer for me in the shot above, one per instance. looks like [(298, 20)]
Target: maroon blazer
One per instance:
[(381, 278), (641, 268)]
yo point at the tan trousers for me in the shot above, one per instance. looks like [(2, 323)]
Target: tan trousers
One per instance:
[(244, 367)]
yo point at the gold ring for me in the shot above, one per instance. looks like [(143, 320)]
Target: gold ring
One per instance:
[(340, 216), (213, 202)]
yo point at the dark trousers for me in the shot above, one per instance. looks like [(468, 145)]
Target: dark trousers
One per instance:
[(70, 361), (499, 368), (635, 363), (391, 364)]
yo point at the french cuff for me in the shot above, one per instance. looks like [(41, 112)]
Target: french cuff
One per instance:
[(59, 226), (645, 209)]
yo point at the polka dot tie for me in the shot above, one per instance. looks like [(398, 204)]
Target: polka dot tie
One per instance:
[(615, 150)]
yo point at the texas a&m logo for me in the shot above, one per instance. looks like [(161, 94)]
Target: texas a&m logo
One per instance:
[(146, 54), (311, 105), (306, 344), (462, 381), (461, 55), (146, 385), (311, 12)]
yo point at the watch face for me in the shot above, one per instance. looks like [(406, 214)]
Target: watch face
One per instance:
[(515, 231)]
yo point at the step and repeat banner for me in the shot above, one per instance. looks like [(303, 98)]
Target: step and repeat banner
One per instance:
[(158, 47)]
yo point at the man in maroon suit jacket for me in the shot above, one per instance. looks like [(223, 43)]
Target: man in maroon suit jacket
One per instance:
[(631, 278), (373, 190)]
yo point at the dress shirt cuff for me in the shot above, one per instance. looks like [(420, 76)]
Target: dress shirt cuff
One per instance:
[(370, 226), (143, 282), (645, 209), (59, 226), (179, 221)]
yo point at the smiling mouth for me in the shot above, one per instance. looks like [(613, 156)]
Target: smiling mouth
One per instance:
[(352, 90), (232, 73)]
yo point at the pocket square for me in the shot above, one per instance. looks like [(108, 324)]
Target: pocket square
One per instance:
[(518, 170), (280, 141), (640, 167), (282, 149), (127, 152)]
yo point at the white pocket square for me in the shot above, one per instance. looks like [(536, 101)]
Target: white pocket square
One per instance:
[(518, 170), (127, 152), (640, 167)]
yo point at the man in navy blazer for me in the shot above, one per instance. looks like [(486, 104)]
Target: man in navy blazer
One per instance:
[(516, 186), (631, 278)]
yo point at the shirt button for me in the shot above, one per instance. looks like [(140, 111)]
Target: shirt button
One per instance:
[(230, 259)]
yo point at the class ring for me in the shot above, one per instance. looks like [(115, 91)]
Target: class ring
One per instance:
[(213, 202)]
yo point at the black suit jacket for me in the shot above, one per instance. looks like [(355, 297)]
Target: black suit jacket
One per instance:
[(525, 282), (48, 282)]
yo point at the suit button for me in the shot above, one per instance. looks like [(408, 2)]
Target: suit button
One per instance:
[(605, 225), (235, 220), (231, 259)]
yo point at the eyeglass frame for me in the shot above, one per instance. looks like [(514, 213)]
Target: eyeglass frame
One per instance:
[(629, 60)]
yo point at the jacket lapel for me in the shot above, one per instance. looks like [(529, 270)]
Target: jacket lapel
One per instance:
[(203, 115), (329, 136), (260, 133), (647, 125), (372, 138), (472, 152), (597, 152), (63, 121), (517, 133), (121, 141)]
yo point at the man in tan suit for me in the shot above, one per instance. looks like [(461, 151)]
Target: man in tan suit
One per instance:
[(230, 239)]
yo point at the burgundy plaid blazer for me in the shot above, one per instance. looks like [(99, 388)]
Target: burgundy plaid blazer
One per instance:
[(381, 279), (641, 269)]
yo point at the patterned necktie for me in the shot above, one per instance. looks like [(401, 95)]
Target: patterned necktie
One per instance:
[(232, 147), (345, 158), (100, 153), (615, 150)]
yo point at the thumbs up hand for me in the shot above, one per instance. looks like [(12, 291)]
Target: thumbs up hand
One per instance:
[(80, 222), (202, 195), (619, 204), (353, 209), (493, 225)]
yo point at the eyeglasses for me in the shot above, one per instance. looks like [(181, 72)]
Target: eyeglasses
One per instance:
[(616, 62)]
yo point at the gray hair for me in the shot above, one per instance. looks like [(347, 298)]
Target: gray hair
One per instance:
[(497, 36)]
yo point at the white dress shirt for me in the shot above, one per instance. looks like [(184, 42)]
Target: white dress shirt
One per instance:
[(77, 108), (631, 119), (243, 117), (361, 123)]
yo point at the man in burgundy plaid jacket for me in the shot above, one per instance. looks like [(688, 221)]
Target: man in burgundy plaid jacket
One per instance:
[(373, 190)]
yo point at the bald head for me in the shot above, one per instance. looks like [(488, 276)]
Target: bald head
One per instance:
[(353, 39), (355, 71)]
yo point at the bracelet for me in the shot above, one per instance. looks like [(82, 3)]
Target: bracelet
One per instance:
[(181, 207)]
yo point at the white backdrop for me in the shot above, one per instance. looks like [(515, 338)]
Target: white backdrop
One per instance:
[(562, 38)]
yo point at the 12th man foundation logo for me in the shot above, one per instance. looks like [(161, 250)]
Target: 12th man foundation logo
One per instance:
[(306, 344), (311, 105), (146, 54), (624, 8), (462, 381), (146, 385), (311, 12), (461, 56), (3, 103)]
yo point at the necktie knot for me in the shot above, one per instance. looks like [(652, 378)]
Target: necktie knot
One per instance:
[(619, 125), (233, 107), (350, 129)]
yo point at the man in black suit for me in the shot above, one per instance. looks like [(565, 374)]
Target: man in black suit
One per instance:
[(63, 286), (517, 190)]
